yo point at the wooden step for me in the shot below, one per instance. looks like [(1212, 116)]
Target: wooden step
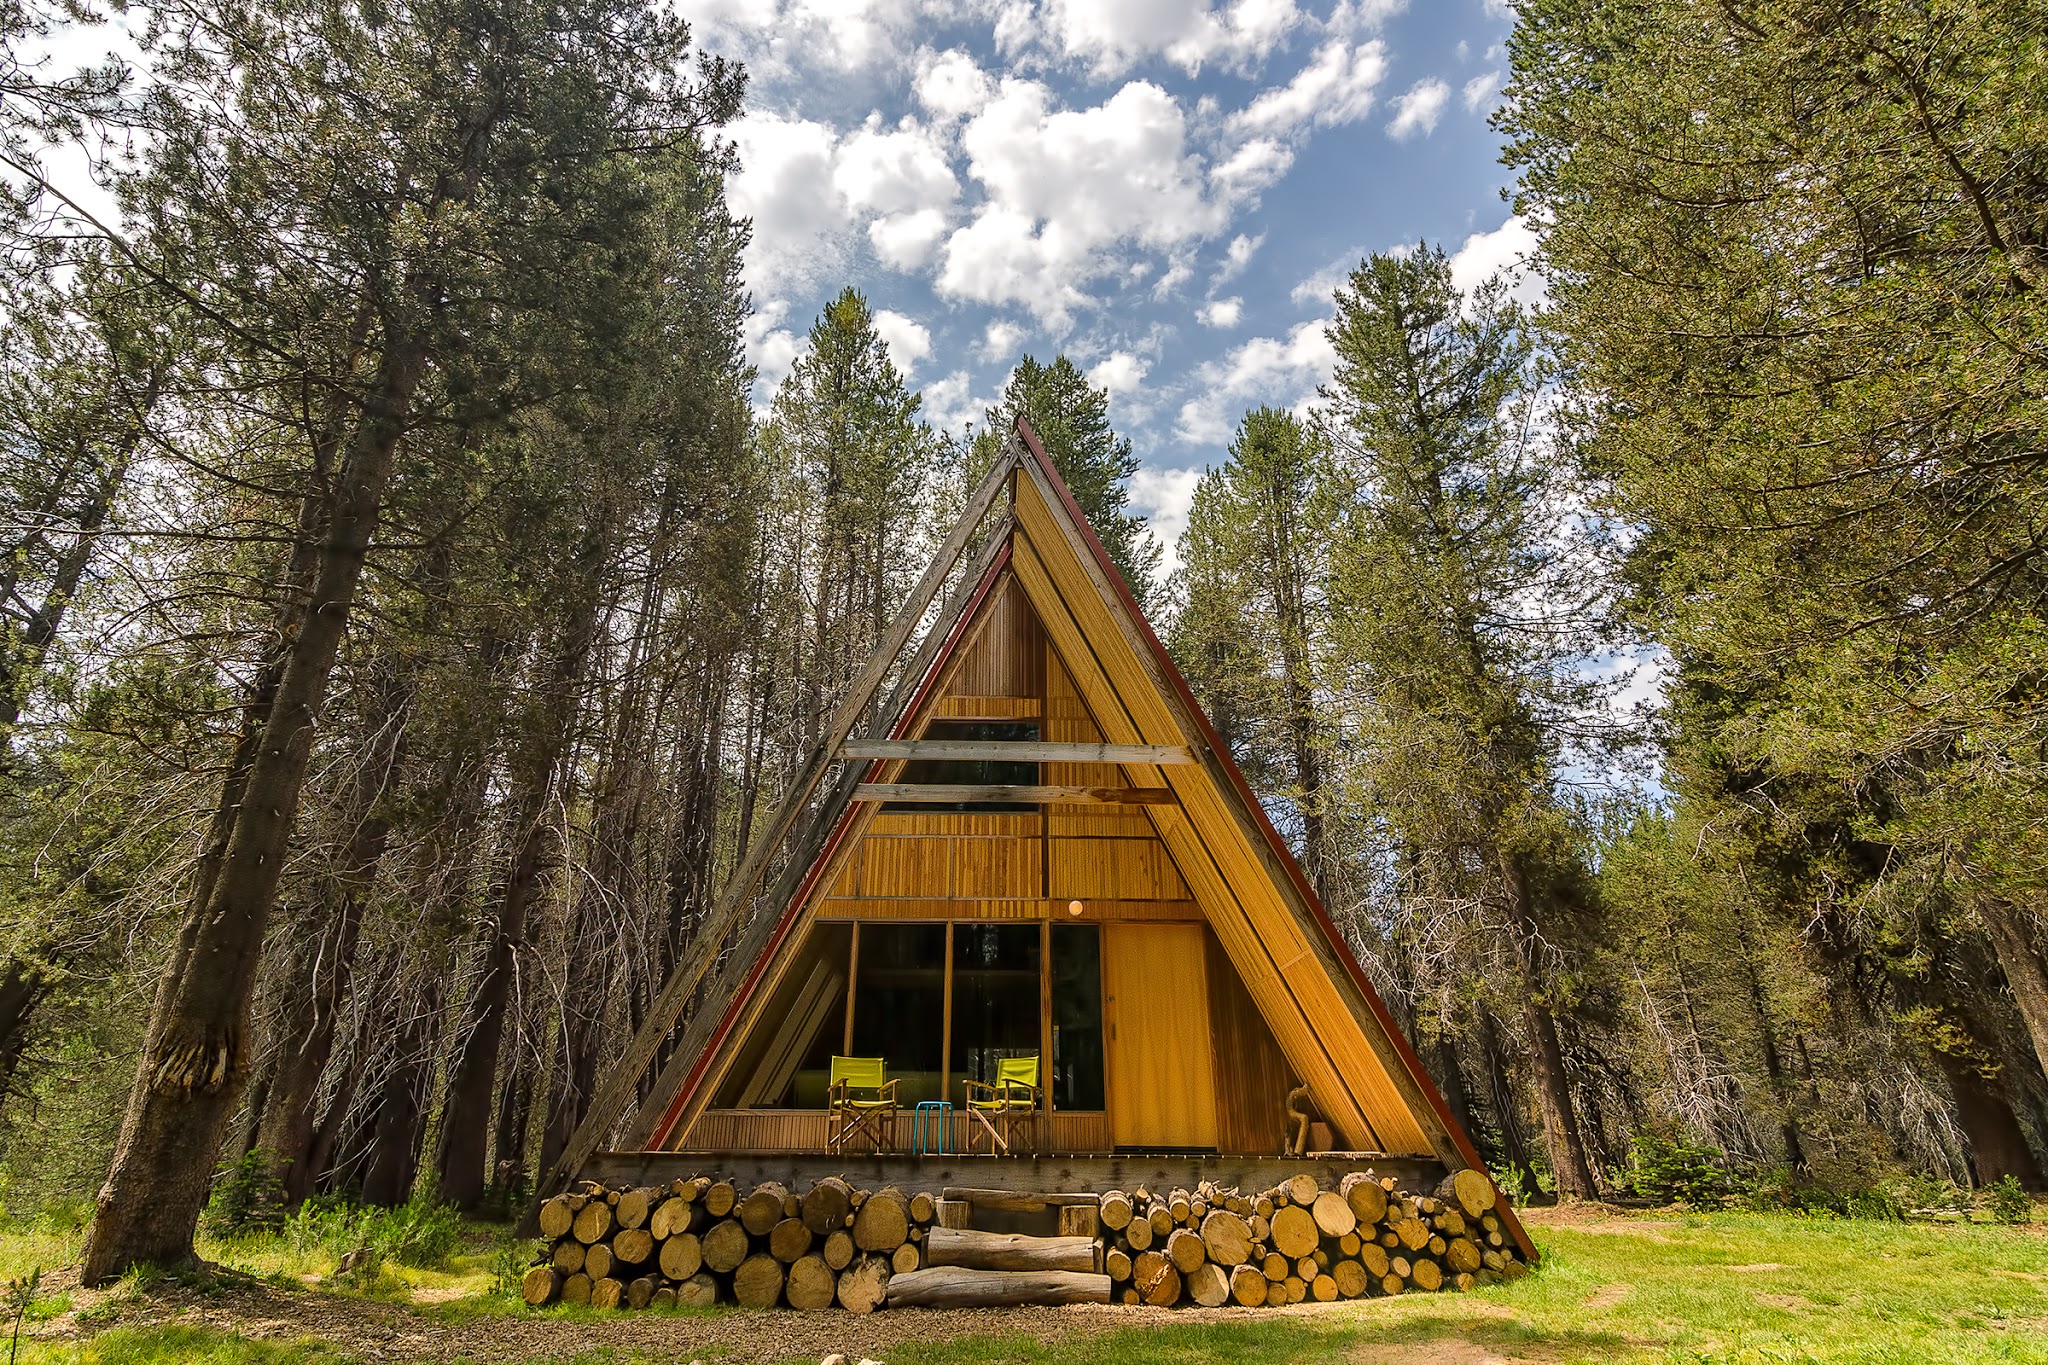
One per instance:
[(1008, 1251), (959, 1287)]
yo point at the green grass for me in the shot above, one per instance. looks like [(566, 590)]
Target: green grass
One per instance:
[(1744, 1289), (1673, 1290)]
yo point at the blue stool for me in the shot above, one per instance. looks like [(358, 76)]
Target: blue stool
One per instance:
[(931, 1126)]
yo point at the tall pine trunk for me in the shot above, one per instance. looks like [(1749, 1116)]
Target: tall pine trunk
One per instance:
[(1562, 1137), (195, 1054)]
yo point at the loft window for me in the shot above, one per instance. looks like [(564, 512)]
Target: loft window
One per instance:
[(976, 772)]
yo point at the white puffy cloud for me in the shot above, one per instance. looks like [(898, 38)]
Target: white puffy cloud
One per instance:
[(1239, 255), (908, 340), (1335, 87), (893, 170), (1000, 341), (785, 172), (1252, 168), (1119, 372), (1510, 247), (787, 40), (1418, 109), (1280, 371), (806, 188), (1164, 497), (1479, 90), (771, 348), (1321, 287), (950, 403), (1111, 35), (1064, 186), (906, 240), (1220, 312), (950, 85)]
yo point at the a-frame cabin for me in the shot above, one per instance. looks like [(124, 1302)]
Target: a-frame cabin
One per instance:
[(1042, 851)]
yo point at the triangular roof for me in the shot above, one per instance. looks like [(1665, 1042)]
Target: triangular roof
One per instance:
[(1323, 1011)]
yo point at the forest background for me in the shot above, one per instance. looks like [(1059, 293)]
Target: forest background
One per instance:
[(406, 620)]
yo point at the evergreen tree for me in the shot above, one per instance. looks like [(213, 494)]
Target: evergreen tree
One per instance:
[(1252, 591), (1071, 418), (1797, 260), (1458, 627), (368, 266), (846, 430)]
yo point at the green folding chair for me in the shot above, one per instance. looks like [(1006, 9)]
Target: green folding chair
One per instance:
[(863, 1102), (1002, 1111)]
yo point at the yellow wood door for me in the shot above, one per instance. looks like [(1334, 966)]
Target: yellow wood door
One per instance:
[(1162, 1068)]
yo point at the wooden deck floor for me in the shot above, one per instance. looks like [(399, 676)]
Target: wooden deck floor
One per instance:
[(1047, 1173)]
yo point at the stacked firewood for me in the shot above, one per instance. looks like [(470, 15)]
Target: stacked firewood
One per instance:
[(704, 1241), (1299, 1241)]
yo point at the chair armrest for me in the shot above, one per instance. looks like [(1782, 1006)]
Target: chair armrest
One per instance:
[(838, 1093), (1013, 1089), (887, 1091), (973, 1085)]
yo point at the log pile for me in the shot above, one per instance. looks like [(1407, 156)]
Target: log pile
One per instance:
[(1299, 1241), (702, 1241)]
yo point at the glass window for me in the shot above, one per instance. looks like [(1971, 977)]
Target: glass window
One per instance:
[(1077, 1082), (996, 986), (975, 772), (899, 1004), (787, 1062)]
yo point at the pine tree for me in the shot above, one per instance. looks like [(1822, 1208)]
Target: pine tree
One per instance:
[(1457, 626), (368, 265), (1252, 591), (1071, 418), (1793, 252), (846, 429)]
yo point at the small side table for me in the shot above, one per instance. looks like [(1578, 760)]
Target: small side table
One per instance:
[(931, 1127)]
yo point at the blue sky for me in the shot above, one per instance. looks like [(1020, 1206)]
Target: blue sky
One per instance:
[(1165, 190)]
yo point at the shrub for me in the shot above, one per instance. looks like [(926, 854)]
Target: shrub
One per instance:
[(1676, 1170), (1783, 1190), (247, 1197), (2009, 1202)]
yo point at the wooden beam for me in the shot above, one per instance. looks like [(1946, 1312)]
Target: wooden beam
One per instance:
[(1016, 751), (623, 1077), (934, 793)]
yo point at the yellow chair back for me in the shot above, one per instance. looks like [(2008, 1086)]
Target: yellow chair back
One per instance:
[(860, 1073), (1022, 1070)]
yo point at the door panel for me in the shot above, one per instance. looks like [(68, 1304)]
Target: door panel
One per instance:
[(1162, 1070)]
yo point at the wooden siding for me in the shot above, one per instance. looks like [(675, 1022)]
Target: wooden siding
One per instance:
[(1007, 659), (1252, 1075)]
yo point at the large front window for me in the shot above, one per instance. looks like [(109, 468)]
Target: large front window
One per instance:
[(939, 1004)]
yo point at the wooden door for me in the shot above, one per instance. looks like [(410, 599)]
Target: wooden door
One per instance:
[(1162, 1068)]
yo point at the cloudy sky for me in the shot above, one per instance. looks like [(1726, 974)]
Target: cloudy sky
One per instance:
[(1165, 190)]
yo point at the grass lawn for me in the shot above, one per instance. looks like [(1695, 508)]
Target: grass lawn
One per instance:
[(1660, 1288)]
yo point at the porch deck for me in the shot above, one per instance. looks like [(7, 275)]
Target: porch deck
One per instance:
[(1049, 1172)]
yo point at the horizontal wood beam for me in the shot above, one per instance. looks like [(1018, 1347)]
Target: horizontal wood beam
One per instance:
[(1015, 751), (934, 793)]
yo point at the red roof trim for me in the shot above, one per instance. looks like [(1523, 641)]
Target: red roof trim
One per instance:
[(659, 1138), (1328, 927)]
